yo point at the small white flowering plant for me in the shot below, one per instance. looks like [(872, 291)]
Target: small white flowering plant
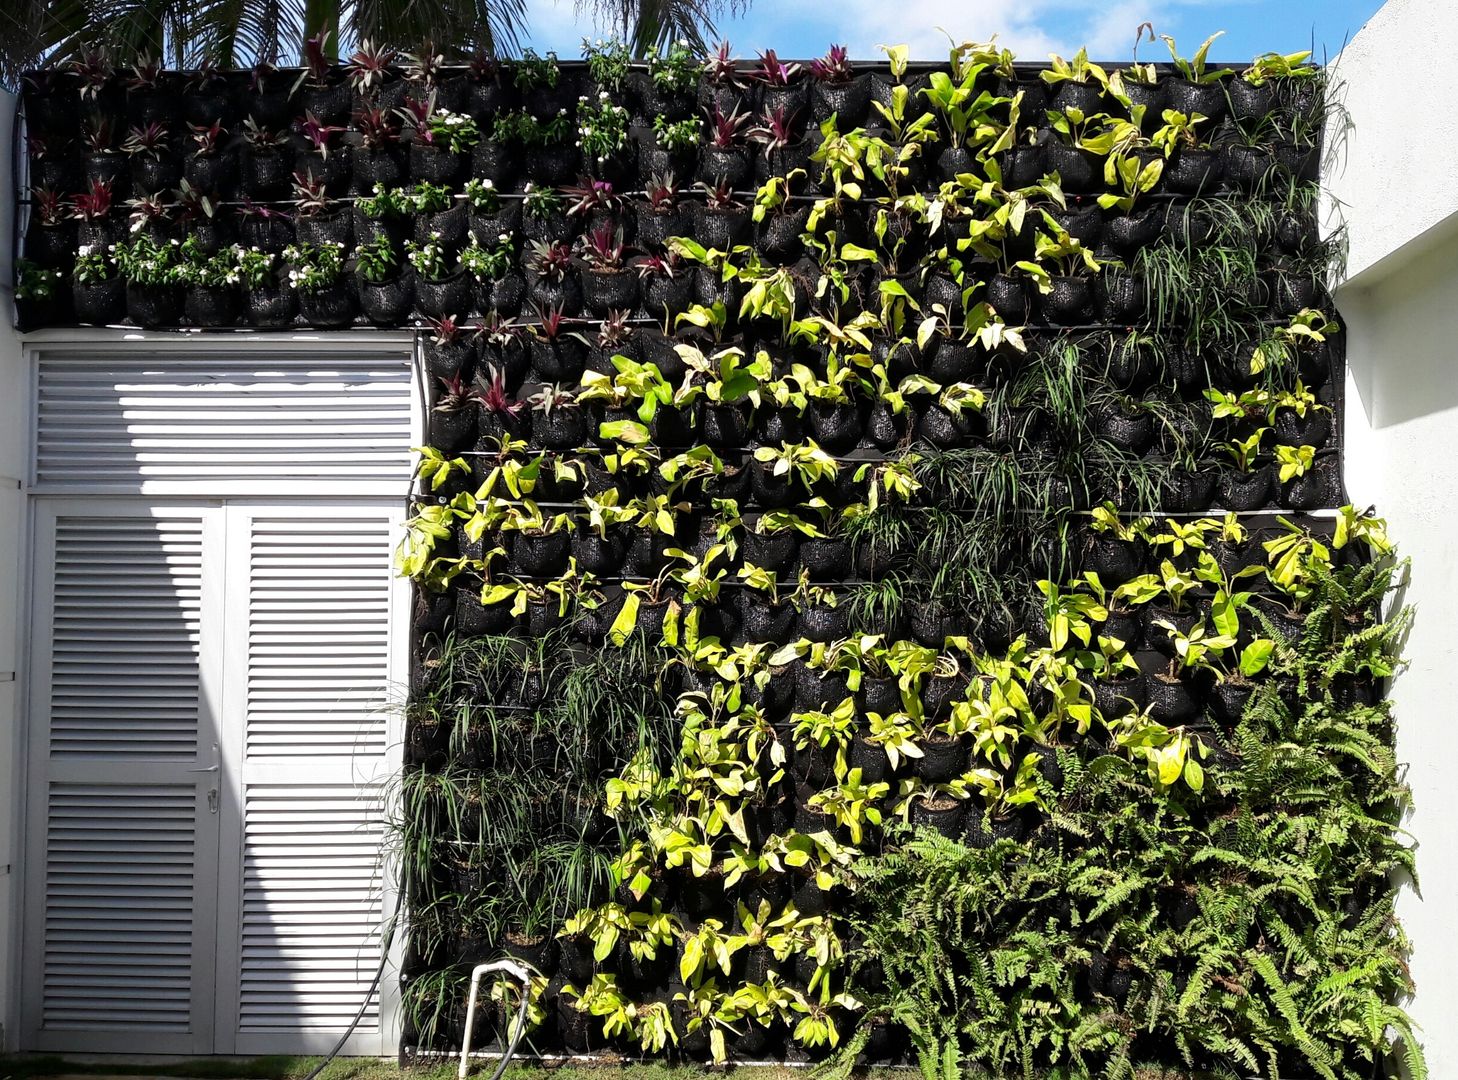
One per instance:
[(677, 70), (383, 202), (428, 198), (608, 61), (677, 134), (429, 259), (314, 267), (489, 262), (533, 72), (199, 268), (255, 266), (482, 195), (145, 260), (602, 127), (35, 283), (377, 260), (451, 131)]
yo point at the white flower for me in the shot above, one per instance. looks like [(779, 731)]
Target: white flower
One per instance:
[(503, 237), (602, 95), (84, 249)]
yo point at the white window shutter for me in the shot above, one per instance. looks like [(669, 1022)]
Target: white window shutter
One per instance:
[(223, 422)]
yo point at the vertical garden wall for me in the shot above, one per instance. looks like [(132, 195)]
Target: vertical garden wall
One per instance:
[(882, 584)]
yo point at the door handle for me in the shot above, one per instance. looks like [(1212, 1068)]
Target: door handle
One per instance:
[(211, 768)]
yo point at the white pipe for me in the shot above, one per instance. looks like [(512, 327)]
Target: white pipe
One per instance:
[(516, 971)]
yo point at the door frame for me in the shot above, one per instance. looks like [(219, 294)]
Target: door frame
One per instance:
[(15, 879)]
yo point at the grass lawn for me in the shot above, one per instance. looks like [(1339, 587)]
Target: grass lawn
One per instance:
[(296, 1068)]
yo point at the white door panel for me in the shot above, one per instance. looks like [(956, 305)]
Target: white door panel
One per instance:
[(123, 828)]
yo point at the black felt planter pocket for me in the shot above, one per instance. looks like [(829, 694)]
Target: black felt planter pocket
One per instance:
[(540, 554), (609, 290), (1011, 297), (600, 555), (100, 303), (488, 228), (821, 622), (1189, 492), (1070, 301), (1245, 490), (1114, 560), (435, 164), (1191, 172), (559, 360), (836, 427), (557, 163), (849, 102), (270, 306), (1249, 104), (1157, 636), (383, 165), (497, 162), (268, 234), (1246, 167), (943, 814), (109, 169), (267, 173), (886, 429), (1127, 233), (828, 558), (1172, 700), (212, 305), (331, 307), (942, 758), (944, 428), (447, 227), (561, 429), (1119, 297), (453, 429), (448, 296), (1313, 429), (1229, 698), (51, 246), (505, 295), (761, 621), (1310, 491), (387, 303), (773, 551), (563, 295), (155, 173), (472, 618), (1119, 697), (154, 305), (1080, 170), (332, 228), (721, 230), (1207, 99)]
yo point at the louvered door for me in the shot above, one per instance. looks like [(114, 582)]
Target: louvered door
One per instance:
[(308, 677), (123, 817)]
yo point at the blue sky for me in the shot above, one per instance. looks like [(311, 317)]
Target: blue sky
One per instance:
[(1031, 28)]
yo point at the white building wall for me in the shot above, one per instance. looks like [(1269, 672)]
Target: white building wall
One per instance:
[(14, 425), (1392, 175)]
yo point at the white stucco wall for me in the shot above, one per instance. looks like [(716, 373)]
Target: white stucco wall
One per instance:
[(13, 456), (1392, 146), (1393, 179)]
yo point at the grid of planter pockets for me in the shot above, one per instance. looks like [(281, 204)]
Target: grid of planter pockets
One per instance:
[(870, 600)]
